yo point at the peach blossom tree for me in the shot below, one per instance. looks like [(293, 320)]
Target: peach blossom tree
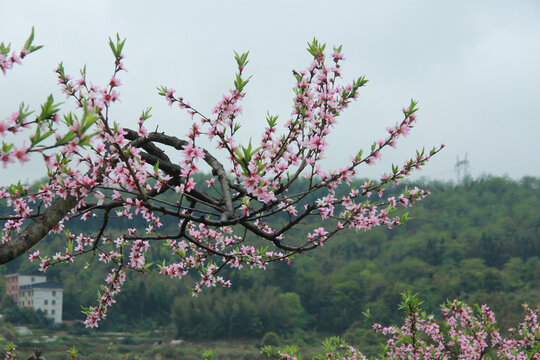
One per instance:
[(101, 170)]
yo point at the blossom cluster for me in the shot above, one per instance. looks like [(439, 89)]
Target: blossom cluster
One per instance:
[(465, 333), (115, 279), (100, 171), (468, 334), (9, 58)]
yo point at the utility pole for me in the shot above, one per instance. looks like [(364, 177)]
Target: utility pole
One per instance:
[(462, 165)]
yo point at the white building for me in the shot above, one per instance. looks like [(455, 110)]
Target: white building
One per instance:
[(14, 281), (34, 291)]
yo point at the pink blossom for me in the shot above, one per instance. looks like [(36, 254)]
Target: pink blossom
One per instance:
[(403, 200), (142, 131), (44, 264), (115, 82), (3, 127), (34, 256), (5, 158), (21, 153), (192, 152), (170, 96)]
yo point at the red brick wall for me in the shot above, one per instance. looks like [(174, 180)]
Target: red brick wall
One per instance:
[(12, 286)]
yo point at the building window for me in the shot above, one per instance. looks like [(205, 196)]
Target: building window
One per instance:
[(46, 302), (54, 293), (53, 302), (52, 312), (46, 312), (32, 279)]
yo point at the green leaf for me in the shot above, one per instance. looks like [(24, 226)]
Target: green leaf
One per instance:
[(146, 114), (30, 39), (69, 119), (70, 246), (361, 81), (239, 83), (49, 108), (359, 155), (261, 167), (23, 113), (314, 48), (367, 314), (162, 90), (405, 217), (112, 46), (120, 44), (67, 138), (88, 118), (117, 47), (247, 152), (241, 60), (338, 49), (412, 107), (271, 120), (73, 351), (4, 50), (60, 70), (46, 135), (208, 354), (28, 45), (85, 140)]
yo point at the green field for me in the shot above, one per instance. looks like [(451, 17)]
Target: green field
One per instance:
[(150, 345)]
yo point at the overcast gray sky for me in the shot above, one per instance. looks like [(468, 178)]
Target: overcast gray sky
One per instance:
[(474, 66)]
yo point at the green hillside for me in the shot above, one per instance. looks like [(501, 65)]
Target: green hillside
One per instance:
[(478, 242)]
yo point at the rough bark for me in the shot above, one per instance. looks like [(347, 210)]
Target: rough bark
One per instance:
[(37, 230)]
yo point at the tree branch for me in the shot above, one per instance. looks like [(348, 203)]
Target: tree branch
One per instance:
[(217, 167), (37, 230)]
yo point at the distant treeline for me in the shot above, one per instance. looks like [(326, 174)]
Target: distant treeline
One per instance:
[(478, 242)]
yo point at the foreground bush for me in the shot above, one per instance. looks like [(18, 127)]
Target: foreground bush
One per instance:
[(465, 333)]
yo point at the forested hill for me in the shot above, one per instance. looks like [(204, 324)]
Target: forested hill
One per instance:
[(478, 241)]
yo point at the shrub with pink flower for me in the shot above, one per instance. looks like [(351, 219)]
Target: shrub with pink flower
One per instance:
[(467, 333)]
